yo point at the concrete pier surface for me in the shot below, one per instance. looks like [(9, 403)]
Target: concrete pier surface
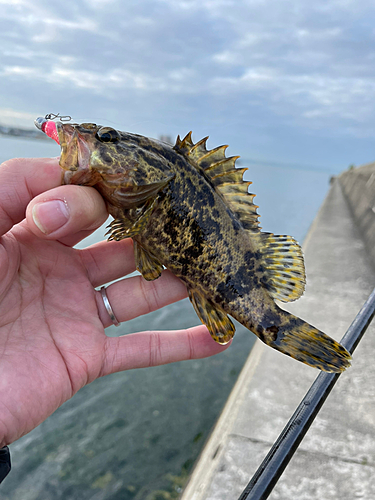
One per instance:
[(336, 459)]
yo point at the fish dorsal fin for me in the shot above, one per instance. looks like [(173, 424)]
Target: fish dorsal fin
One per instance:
[(226, 178), (284, 267)]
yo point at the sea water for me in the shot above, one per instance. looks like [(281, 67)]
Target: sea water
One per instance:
[(136, 434)]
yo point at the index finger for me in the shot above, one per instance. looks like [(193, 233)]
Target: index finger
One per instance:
[(22, 179)]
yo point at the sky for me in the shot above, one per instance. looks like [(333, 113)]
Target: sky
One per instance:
[(281, 81)]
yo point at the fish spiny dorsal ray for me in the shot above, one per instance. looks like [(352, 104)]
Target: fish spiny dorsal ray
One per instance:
[(226, 178)]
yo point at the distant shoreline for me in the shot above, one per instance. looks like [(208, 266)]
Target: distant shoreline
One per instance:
[(22, 132)]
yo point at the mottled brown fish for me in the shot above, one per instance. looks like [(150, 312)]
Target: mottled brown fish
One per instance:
[(188, 209)]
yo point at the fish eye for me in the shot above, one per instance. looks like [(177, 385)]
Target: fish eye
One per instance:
[(108, 134)]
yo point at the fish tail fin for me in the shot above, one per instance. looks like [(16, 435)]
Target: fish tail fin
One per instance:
[(296, 338)]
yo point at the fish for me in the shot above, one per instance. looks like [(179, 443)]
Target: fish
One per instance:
[(188, 209)]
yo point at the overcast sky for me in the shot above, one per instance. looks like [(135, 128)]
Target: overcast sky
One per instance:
[(289, 81)]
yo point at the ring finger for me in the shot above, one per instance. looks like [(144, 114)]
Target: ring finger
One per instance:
[(133, 297)]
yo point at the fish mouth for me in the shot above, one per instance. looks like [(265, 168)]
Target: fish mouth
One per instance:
[(75, 152)]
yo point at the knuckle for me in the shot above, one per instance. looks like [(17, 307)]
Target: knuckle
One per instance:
[(156, 356), (149, 294), (191, 343)]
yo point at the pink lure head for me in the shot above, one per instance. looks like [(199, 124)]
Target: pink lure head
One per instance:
[(48, 127)]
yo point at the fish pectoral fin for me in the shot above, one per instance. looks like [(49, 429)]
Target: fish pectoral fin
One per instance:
[(284, 267), (135, 195), (122, 227), (219, 325), (146, 264), (119, 228)]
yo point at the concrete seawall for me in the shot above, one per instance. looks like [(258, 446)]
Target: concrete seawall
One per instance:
[(337, 457), (359, 189)]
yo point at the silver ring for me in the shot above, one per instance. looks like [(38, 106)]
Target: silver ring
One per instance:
[(108, 307)]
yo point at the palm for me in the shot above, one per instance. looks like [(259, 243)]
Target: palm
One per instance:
[(52, 320), (49, 304)]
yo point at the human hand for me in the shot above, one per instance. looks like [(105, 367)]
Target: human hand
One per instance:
[(52, 320)]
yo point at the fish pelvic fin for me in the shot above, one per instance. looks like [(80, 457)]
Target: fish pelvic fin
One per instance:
[(302, 341), (146, 264)]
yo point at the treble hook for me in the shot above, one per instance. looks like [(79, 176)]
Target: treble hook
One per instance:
[(53, 116)]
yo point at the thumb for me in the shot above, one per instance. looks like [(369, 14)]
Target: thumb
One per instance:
[(65, 211)]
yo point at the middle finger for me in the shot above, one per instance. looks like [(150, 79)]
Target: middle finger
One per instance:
[(108, 260)]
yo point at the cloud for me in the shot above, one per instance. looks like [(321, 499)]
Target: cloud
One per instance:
[(308, 66), (12, 2), (311, 96), (102, 83), (12, 117), (213, 6)]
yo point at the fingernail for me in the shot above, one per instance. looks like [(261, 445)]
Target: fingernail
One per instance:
[(50, 215)]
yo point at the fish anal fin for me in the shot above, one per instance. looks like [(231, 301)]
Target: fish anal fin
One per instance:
[(219, 325), (224, 176), (283, 262), (146, 264)]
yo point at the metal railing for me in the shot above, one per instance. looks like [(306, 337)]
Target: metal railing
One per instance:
[(272, 467)]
